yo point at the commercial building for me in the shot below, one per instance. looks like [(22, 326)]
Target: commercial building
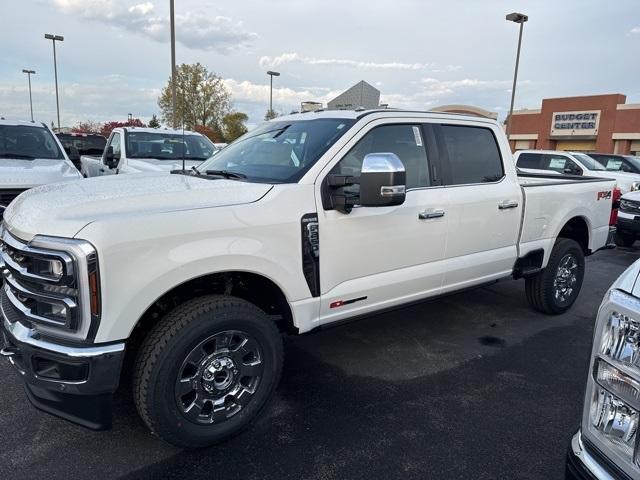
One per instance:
[(595, 123), (361, 95)]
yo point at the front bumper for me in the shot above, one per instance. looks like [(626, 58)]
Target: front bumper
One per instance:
[(74, 383), (629, 225), (586, 463)]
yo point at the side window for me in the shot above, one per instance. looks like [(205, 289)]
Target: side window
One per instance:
[(560, 164), (473, 155), (529, 160), (115, 143), (404, 140)]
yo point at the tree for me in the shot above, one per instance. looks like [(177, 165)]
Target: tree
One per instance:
[(109, 126), (154, 123), (212, 133), (233, 125), (87, 127), (270, 115), (201, 98)]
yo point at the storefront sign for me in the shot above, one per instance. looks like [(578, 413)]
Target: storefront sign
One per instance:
[(581, 123)]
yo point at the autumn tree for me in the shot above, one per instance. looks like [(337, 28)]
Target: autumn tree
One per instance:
[(212, 133), (201, 98), (87, 127), (234, 125), (154, 122), (109, 126)]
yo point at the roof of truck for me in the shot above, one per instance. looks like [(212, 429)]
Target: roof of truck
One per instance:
[(357, 114), (170, 131), (25, 123)]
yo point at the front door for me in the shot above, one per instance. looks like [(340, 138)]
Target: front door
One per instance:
[(377, 257)]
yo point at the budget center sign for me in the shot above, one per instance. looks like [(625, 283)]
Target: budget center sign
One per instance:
[(581, 123)]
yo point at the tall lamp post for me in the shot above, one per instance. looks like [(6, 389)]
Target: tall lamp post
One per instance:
[(271, 75), (172, 23), (29, 73), (55, 38), (516, 18)]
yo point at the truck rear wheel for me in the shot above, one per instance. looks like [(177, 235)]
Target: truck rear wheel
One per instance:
[(206, 370), (555, 289)]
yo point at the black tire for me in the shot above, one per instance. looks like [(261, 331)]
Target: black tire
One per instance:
[(623, 239), (542, 292), (181, 335)]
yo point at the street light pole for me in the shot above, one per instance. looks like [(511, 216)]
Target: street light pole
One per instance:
[(29, 73), (173, 63), (521, 19), (55, 38), (271, 75)]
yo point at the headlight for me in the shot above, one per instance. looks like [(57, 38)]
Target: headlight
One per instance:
[(635, 186), (625, 205), (612, 405)]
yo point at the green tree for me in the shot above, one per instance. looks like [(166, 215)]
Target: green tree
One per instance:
[(201, 98), (154, 122), (270, 115), (233, 125)]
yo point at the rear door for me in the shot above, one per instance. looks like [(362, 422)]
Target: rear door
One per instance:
[(485, 205)]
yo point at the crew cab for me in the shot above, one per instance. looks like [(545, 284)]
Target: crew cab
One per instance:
[(135, 150), (606, 446), (573, 163), (77, 144), (189, 279), (30, 155)]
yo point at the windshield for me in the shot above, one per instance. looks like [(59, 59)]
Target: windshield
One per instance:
[(86, 144), (279, 152), (635, 161), (588, 162), (168, 146), (27, 142)]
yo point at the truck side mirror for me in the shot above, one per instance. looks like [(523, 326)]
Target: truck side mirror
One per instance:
[(110, 159), (382, 181)]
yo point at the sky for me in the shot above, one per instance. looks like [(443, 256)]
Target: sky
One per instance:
[(115, 57)]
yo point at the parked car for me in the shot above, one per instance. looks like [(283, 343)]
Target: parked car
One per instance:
[(135, 150), (307, 220), (573, 163), (628, 223), (77, 144), (30, 155), (617, 163), (606, 446)]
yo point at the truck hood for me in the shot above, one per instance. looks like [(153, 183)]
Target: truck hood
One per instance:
[(63, 209), (136, 165), (21, 173), (624, 179)]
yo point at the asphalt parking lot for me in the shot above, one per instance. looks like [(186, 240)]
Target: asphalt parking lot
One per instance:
[(475, 385)]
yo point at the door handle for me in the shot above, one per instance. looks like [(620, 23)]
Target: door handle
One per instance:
[(507, 204), (431, 213)]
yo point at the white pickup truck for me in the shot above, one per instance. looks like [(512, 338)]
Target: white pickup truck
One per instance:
[(30, 156), (189, 279), (573, 163), (135, 150)]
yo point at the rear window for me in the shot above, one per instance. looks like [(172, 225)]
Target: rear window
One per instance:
[(473, 155), (529, 160), (86, 144)]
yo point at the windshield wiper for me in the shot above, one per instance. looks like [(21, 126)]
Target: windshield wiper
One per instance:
[(196, 171), (225, 174), (17, 155)]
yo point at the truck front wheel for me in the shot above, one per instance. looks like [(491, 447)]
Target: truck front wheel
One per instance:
[(206, 370), (555, 289)]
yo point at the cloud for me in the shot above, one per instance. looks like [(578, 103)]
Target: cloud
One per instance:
[(274, 62), (194, 29), (635, 30)]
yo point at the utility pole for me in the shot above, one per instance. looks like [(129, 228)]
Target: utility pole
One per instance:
[(173, 63), (271, 75), (520, 18)]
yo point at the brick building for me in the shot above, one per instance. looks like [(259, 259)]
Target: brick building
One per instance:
[(596, 123)]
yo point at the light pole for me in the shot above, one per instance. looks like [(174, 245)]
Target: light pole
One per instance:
[(129, 117), (271, 75), (516, 18), (55, 38), (29, 73), (173, 62)]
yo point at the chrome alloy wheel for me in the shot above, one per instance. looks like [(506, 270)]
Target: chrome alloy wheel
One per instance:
[(218, 377), (566, 278)]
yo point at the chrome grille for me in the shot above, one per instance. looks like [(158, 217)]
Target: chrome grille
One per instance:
[(6, 197), (629, 206)]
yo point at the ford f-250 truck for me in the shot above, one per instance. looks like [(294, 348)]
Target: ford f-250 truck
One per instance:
[(182, 284), (135, 150)]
